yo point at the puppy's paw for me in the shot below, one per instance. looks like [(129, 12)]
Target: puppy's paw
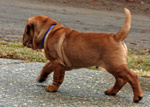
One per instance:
[(40, 80), (136, 99), (51, 88), (110, 92)]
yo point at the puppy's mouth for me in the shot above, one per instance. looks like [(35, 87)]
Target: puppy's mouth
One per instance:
[(28, 44)]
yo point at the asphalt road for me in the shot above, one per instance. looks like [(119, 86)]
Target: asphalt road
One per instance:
[(13, 16), (81, 88)]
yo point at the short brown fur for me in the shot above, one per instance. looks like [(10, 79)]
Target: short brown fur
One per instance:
[(68, 49)]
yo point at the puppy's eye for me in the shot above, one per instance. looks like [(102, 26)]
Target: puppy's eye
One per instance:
[(28, 29)]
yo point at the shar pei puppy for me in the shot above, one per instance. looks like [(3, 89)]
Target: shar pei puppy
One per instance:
[(68, 49)]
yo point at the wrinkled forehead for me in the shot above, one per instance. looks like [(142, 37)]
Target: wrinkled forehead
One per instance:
[(34, 20), (31, 19)]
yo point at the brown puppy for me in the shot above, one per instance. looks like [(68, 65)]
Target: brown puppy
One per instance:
[(68, 49)]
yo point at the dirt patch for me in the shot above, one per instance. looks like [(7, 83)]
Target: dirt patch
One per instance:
[(136, 7)]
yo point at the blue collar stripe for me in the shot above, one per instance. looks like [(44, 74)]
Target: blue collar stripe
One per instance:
[(46, 34)]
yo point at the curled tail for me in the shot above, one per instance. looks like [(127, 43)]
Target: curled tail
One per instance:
[(123, 33)]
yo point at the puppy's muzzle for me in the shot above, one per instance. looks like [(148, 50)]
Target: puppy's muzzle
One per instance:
[(27, 43)]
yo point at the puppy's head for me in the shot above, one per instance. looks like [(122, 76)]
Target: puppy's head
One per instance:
[(35, 29)]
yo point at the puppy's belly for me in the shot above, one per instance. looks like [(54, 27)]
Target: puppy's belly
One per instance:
[(84, 60)]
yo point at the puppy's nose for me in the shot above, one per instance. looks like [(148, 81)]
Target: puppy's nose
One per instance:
[(24, 43), (24, 40)]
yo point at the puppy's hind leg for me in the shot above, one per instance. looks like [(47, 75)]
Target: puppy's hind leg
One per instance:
[(117, 86), (47, 69), (131, 77)]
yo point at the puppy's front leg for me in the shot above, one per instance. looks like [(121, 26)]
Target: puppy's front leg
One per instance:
[(47, 69), (58, 77)]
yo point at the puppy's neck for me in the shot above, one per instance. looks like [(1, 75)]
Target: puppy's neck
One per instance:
[(46, 34)]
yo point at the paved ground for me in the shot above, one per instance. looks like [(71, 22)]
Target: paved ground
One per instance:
[(82, 87), (13, 16)]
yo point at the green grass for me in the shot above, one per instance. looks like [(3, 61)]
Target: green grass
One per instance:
[(138, 61), (18, 51)]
